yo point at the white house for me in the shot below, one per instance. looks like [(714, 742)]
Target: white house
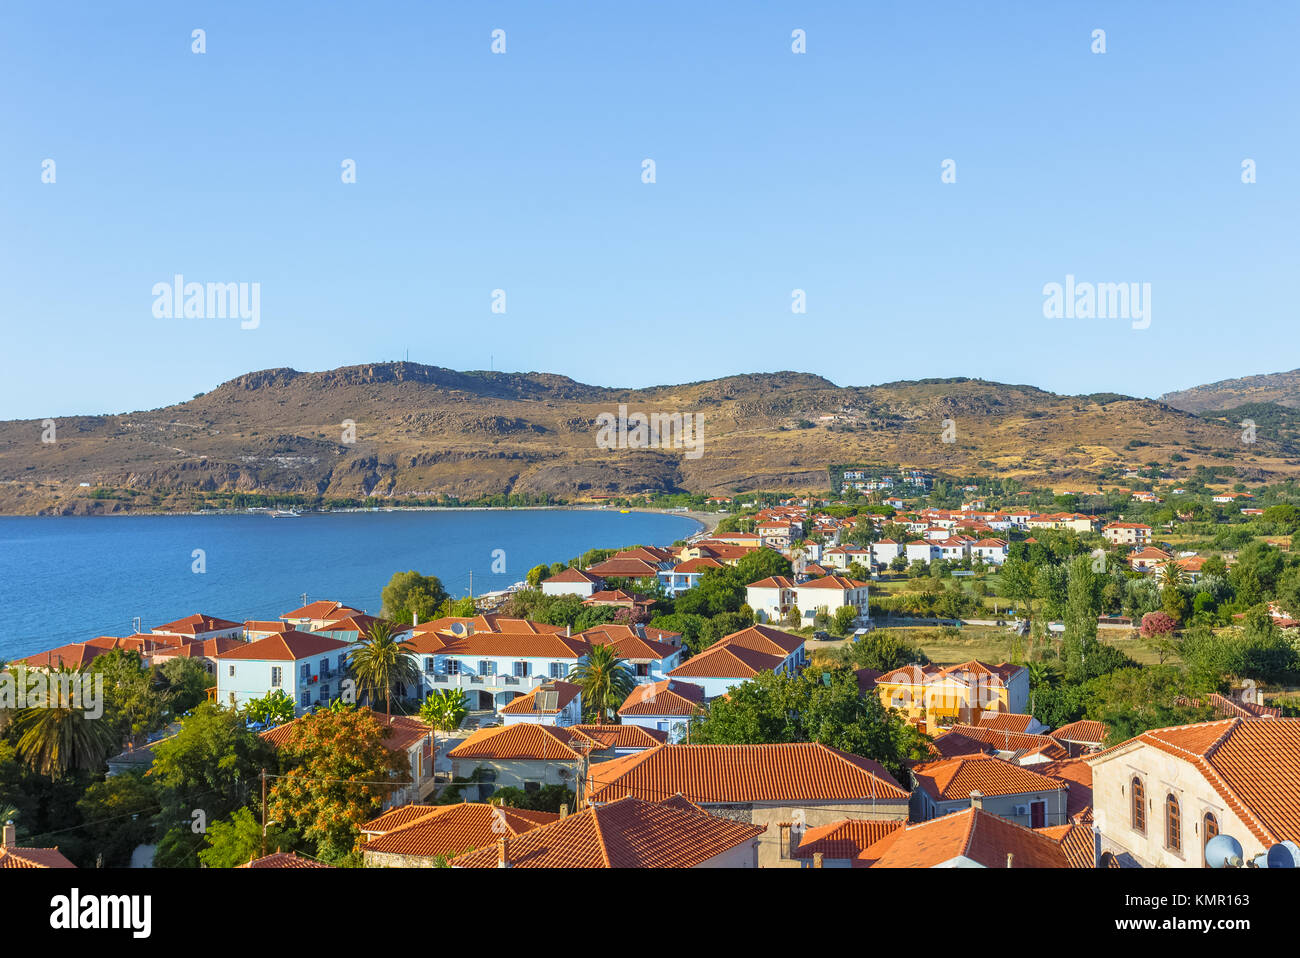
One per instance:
[(493, 668), (831, 592), (741, 656), (770, 598), (921, 551), (667, 706), (886, 550), (573, 582), (307, 667), (992, 551)]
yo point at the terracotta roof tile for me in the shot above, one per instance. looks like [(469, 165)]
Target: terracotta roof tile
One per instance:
[(1252, 763), (285, 647), (668, 697), (446, 830), (622, 834), (974, 834), (719, 774), (283, 860), (954, 779)]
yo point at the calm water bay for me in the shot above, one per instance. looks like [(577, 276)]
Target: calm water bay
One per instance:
[(69, 579)]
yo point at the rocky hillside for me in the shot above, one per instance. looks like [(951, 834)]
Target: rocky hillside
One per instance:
[(422, 431), (1280, 388)]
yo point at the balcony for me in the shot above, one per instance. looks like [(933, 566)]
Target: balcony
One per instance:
[(486, 682)]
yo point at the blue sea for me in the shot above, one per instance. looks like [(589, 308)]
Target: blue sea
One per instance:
[(68, 579)]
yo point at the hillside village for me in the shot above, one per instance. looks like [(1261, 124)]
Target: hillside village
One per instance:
[(882, 677)]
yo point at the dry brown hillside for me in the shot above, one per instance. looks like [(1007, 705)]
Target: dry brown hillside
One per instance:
[(1280, 388), (424, 431)]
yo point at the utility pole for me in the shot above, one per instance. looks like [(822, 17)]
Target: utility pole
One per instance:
[(304, 598), (264, 813)]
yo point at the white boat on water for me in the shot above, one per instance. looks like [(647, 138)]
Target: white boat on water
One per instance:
[(285, 514)]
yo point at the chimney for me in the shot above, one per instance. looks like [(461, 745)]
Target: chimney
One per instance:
[(415, 618), (817, 860), (11, 835), (568, 631), (1010, 856), (976, 800), (503, 852), (564, 811)]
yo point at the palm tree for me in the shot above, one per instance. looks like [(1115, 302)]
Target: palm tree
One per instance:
[(1171, 575), (605, 681), (59, 738), (381, 662), (444, 710)]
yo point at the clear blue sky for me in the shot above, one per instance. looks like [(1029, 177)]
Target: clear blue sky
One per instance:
[(775, 171)]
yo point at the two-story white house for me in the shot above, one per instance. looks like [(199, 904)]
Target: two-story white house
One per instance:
[(493, 668), (686, 575), (306, 666), (770, 598), (831, 592)]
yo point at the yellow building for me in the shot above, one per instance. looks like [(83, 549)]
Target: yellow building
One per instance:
[(931, 697)]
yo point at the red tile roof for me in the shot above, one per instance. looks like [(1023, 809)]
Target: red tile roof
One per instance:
[(668, 697), (1082, 732), (283, 860), (1005, 721), (523, 645), (1077, 774), (572, 575), (285, 647), (725, 661), (13, 856), (763, 638), (65, 656), (622, 834), (954, 779), (523, 741), (1076, 841), (196, 624), (623, 736), (847, 838), (1252, 763), (527, 704), (428, 831), (833, 582), (973, 834), (720, 774), (1004, 741), (320, 609)]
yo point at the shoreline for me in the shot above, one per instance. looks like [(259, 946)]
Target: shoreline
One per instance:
[(707, 521)]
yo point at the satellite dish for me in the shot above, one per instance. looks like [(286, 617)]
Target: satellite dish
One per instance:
[(1284, 855), (1223, 851)]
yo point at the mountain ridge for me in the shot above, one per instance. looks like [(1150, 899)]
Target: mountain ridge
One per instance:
[(426, 431)]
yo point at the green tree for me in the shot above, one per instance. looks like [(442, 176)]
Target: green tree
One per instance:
[(605, 681), (274, 708), (410, 594), (827, 708), (120, 814), (339, 773), (238, 840), (186, 682), (760, 564)]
